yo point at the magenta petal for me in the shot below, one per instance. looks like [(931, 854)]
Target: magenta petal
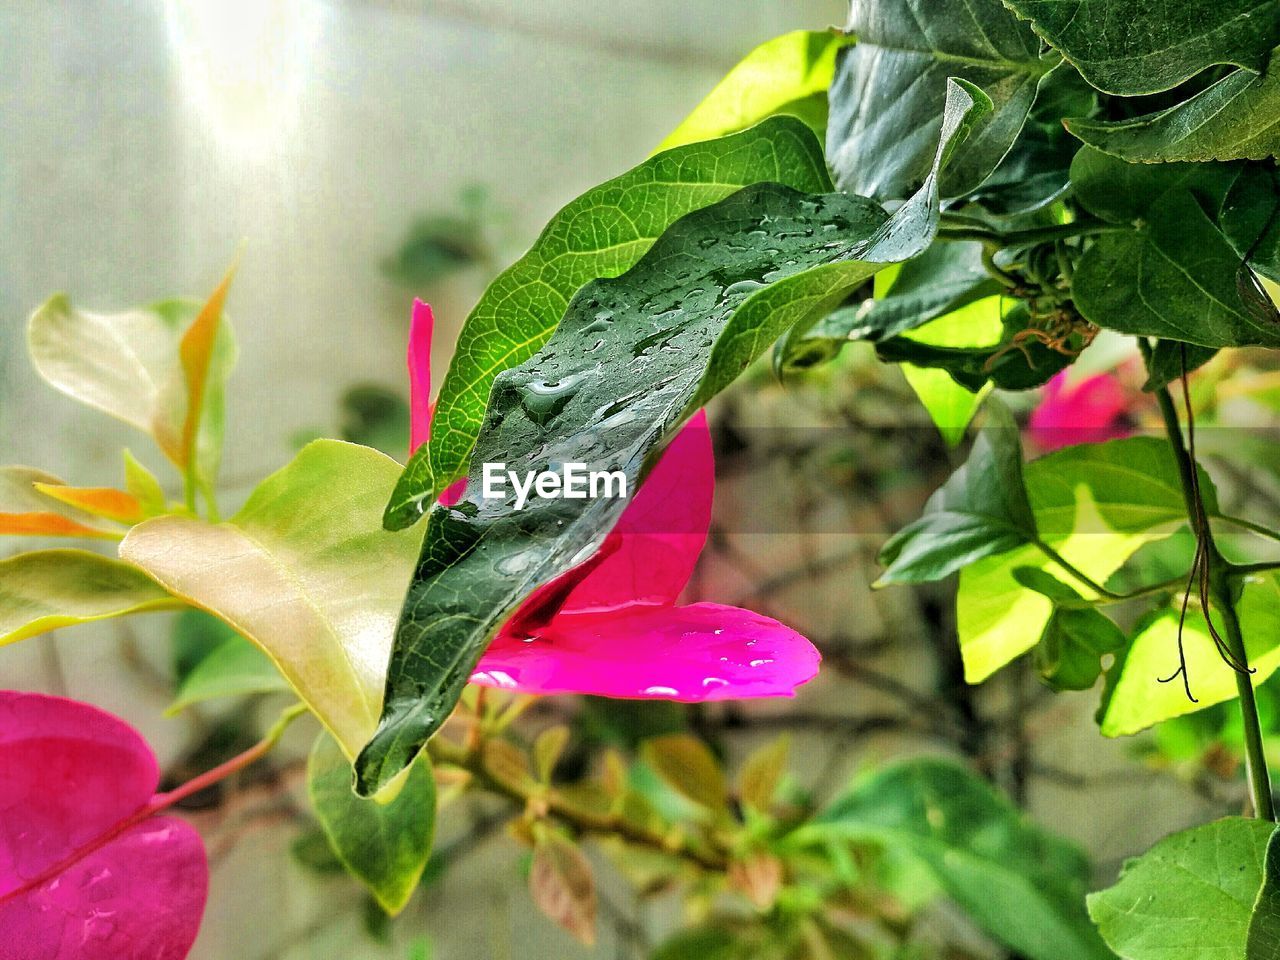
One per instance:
[(703, 651), (652, 550), (419, 358), (1090, 410), (69, 774)]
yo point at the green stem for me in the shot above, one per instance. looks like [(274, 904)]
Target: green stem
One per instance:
[(1081, 576), (1224, 602), (1017, 238)]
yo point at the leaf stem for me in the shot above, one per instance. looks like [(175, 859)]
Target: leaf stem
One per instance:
[(587, 821), (1016, 238), (1083, 577), (1218, 580)]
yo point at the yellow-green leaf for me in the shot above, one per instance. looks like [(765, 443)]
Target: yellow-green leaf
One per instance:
[(1141, 693), (48, 589), (788, 74), (306, 571), (686, 763)]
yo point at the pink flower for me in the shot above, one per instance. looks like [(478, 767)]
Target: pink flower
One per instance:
[(1089, 410), (86, 871), (612, 626)]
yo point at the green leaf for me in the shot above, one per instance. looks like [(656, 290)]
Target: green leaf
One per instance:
[(1036, 170), (976, 346), (1171, 359), (687, 764), (633, 358), (1069, 655), (232, 669), (129, 366), (788, 74), (1233, 118), (1191, 895), (194, 636), (1263, 939), (1173, 277), (1095, 504), (143, 485), (1139, 691), (1118, 191), (950, 406), (305, 571), (761, 773), (1135, 47), (1022, 885), (1250, 217), (602, 233), (889, 92), (383, 845), (49, 589), (980, 511)]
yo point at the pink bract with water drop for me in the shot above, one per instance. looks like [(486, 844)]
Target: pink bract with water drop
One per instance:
[(619, 631), (73, 885)]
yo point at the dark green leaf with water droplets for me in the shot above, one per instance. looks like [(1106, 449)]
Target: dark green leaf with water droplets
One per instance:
[(633, 357), (600, 234), (890, 90)]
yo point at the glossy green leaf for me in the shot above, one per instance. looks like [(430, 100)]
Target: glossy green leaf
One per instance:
[(1134, 47), (788, 74), (1022, 885), (304, 570), (600, 234), (129, 366), (1173, 277), (708, 298), (889, 92), (232, 669), (1118, 191), (1191, 895), (383, 845), (980, 511), (48, 589), (1139, 691), (1095, 504), (1235, 117), (1170, 360), (1076, 637), (1263, 939)]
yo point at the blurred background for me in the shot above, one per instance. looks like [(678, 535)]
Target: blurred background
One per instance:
[(362, 152)]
